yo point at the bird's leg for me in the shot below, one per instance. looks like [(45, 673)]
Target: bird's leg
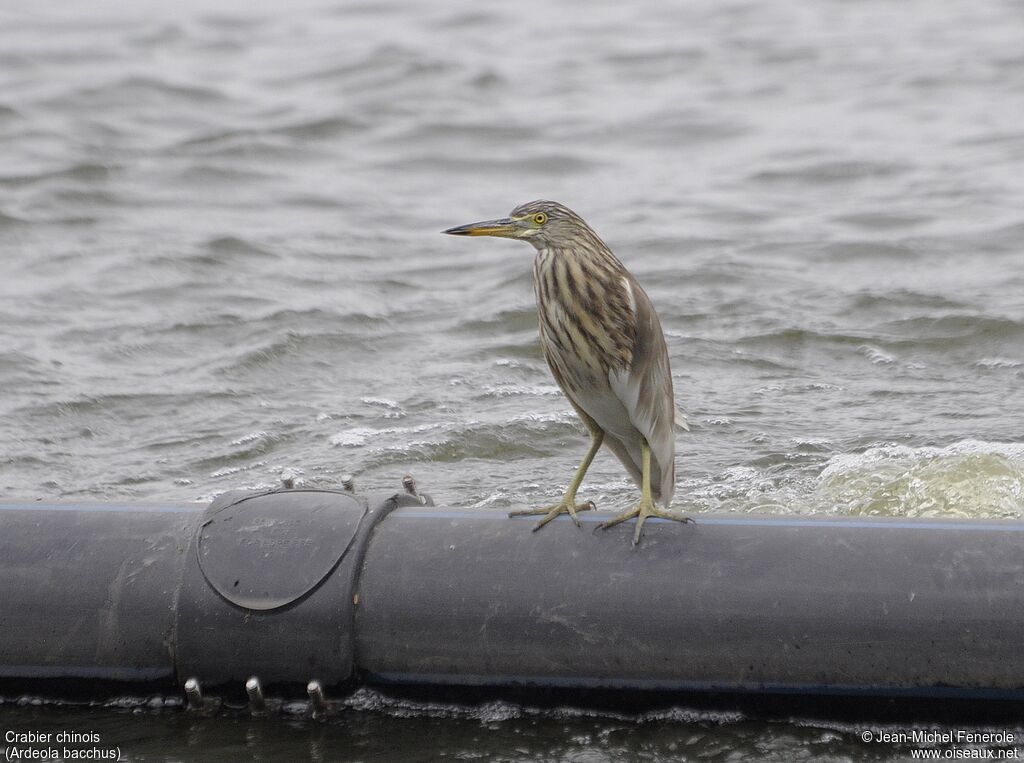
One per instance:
[(646, 507), (568, 503)]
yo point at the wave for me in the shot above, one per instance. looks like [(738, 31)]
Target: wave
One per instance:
[(912, 333), (882, 220), (299, 131), (830, 172), (385, 65), (84, 172), (868, 250), (528, 434), (965, 479), (137, 90), (299, 344)]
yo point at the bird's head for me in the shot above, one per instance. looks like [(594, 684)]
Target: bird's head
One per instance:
[(545, 224)]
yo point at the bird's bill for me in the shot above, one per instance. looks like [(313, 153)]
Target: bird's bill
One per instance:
[(504, 228)]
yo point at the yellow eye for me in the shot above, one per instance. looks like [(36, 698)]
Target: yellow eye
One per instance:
[(540, 218)]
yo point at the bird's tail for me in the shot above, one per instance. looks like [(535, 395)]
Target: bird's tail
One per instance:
[(682, 424)]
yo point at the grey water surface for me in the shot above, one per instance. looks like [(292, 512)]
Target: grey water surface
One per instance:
[(220, 261)]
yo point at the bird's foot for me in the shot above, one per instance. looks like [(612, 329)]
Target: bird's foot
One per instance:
[(642, 511), (550, 512)]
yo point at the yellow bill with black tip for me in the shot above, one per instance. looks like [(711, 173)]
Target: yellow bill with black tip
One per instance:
[(504, 228)]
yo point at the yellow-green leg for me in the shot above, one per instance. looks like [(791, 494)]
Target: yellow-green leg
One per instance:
[(646, 507), (568, 503)]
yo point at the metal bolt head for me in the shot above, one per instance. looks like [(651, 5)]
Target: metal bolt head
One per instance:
[(257, 703), (194, 693), (317, 700), (409, 484)]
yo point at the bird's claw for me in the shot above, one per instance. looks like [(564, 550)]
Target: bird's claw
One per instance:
[(641, 512), (550, 512)]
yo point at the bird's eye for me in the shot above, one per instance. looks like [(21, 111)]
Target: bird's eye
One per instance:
[(540, 218)]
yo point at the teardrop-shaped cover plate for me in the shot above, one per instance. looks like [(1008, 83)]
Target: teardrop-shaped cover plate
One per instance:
[(267, 551)]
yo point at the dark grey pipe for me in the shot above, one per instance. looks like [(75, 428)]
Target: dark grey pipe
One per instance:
[(89, 590), (298, 586), (753, 604)]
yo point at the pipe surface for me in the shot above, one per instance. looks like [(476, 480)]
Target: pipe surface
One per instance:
[(731, 603), (303, 586), (88, 590)]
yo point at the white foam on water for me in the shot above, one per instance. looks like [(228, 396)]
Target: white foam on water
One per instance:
[(357, 436), (969, 478), (511, 389), (876, 356), (497, 711), (493, 498), (383, 402), (227, 471), (998, 363), (545, 417), (392, 408), (252, 437)]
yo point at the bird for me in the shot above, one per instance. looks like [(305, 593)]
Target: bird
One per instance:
[(605, 347)]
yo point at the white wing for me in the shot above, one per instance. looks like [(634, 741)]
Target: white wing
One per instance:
[(645, 389)]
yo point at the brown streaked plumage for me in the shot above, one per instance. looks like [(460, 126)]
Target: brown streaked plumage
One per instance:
[(604, 344)]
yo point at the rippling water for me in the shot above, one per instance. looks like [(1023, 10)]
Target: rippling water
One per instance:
[(221, 260)]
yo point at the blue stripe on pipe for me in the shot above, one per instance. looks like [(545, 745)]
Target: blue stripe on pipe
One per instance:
[(767, 521), (108, 672), (658, 684), (139, 508), (749, 521)]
